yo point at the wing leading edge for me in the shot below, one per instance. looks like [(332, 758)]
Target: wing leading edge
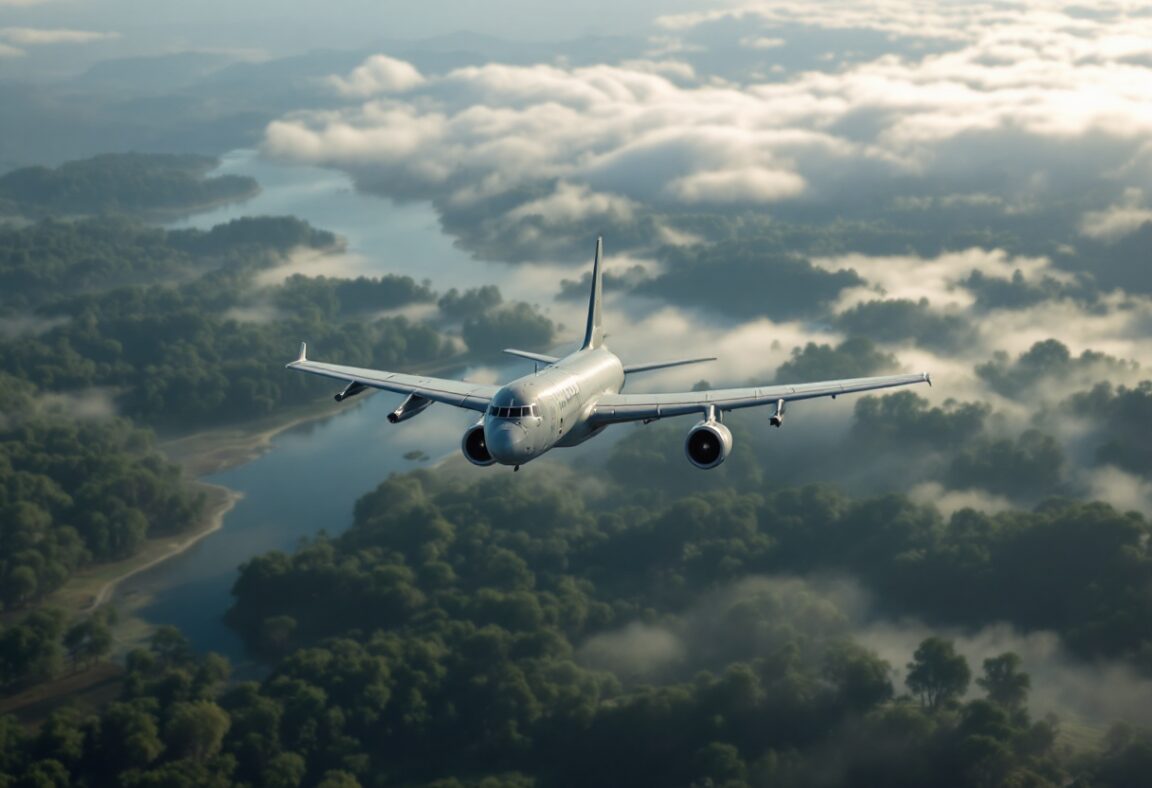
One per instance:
[(615, 408), (473, 396)]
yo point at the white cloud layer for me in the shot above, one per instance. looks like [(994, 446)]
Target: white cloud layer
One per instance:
[(378, 75), (1116, 221), (1014, 94)]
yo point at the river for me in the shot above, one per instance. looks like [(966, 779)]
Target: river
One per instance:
[(312, 475)]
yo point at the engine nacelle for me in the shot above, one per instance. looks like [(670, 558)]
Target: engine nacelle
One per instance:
[(474, 446), (708, 444), (351, 390), (411, 406), (777, 417)]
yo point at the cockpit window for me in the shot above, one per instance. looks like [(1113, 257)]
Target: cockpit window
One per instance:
[(520, 412)]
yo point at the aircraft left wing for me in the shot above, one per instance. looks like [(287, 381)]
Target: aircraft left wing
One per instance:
[(615, 408), (473, 396)]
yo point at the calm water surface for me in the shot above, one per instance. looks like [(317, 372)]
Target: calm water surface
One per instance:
[(312, 476)]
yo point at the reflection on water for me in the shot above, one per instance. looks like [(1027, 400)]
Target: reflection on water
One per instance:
[(313, 474), (383, 236), (308, 482)]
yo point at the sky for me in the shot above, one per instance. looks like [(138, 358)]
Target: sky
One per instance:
[(264, 28)]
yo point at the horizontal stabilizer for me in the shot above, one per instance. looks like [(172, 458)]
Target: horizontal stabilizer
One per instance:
[(665, 364), (540, 357)]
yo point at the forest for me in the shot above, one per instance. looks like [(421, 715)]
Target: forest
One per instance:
[(112, 328), (177, 325), (76, 491), (121, 183), (569, 632), (628, 621)]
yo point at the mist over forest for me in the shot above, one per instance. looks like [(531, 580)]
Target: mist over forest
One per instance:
[(945, 585)]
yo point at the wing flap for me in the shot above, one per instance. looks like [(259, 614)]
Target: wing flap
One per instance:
[(614, 408), (472, 396)]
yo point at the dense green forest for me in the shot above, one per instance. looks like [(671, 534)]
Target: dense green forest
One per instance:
[(43, 645), (564, 632), (44, 262), (632, 623), (175, 323), (171, 329), (123, 183), (76, 491)]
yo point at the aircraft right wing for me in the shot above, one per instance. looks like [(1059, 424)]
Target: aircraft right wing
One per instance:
[(615, 408), (473, 396)]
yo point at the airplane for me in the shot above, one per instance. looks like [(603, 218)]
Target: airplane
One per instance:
[(572, 399)]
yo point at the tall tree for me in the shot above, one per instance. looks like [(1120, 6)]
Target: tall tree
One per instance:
[(1004, 682), (937, 674)]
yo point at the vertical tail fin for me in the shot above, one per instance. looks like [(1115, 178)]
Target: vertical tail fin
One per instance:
[(594, 333)]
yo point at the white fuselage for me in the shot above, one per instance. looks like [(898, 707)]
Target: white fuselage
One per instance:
[(548, 408)]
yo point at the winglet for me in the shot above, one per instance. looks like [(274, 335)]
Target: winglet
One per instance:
[(303, 352), (928, 378), (594, 332)]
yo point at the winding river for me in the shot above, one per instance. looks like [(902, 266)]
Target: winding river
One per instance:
[(313, 474)]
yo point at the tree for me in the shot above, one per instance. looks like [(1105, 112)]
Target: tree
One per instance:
[(1004, 682), (88, 640), (196, 730), (861, 677), (286, 770), (937, 674)]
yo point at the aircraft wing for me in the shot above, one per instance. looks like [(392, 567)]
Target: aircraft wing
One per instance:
[(614, 408), (473, 396)]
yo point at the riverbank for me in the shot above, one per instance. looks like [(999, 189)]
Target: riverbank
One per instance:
[(203, 454), (92, 588), (199, 454)]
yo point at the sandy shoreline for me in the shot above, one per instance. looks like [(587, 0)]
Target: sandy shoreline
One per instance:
[(200, 454), (204, 454), (215, 521)]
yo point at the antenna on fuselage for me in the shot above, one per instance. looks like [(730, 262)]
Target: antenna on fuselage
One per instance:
[(594, 332)]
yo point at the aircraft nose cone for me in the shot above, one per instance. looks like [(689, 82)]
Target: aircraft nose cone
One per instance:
[(507, 442)]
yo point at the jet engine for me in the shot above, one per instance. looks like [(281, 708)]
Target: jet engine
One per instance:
[(474, 447), (411, 406), (708, 444)]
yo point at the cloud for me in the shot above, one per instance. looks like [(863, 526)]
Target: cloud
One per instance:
[(938, 279), (92, 403), (1099, 693), (747, 185), (31, 36), (1123, 490), (1016, 103), (635, 649), (752, 616), (574, 203), (378, 75), (11, 51), (16, 325), (951, 501), (1117, 220)]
